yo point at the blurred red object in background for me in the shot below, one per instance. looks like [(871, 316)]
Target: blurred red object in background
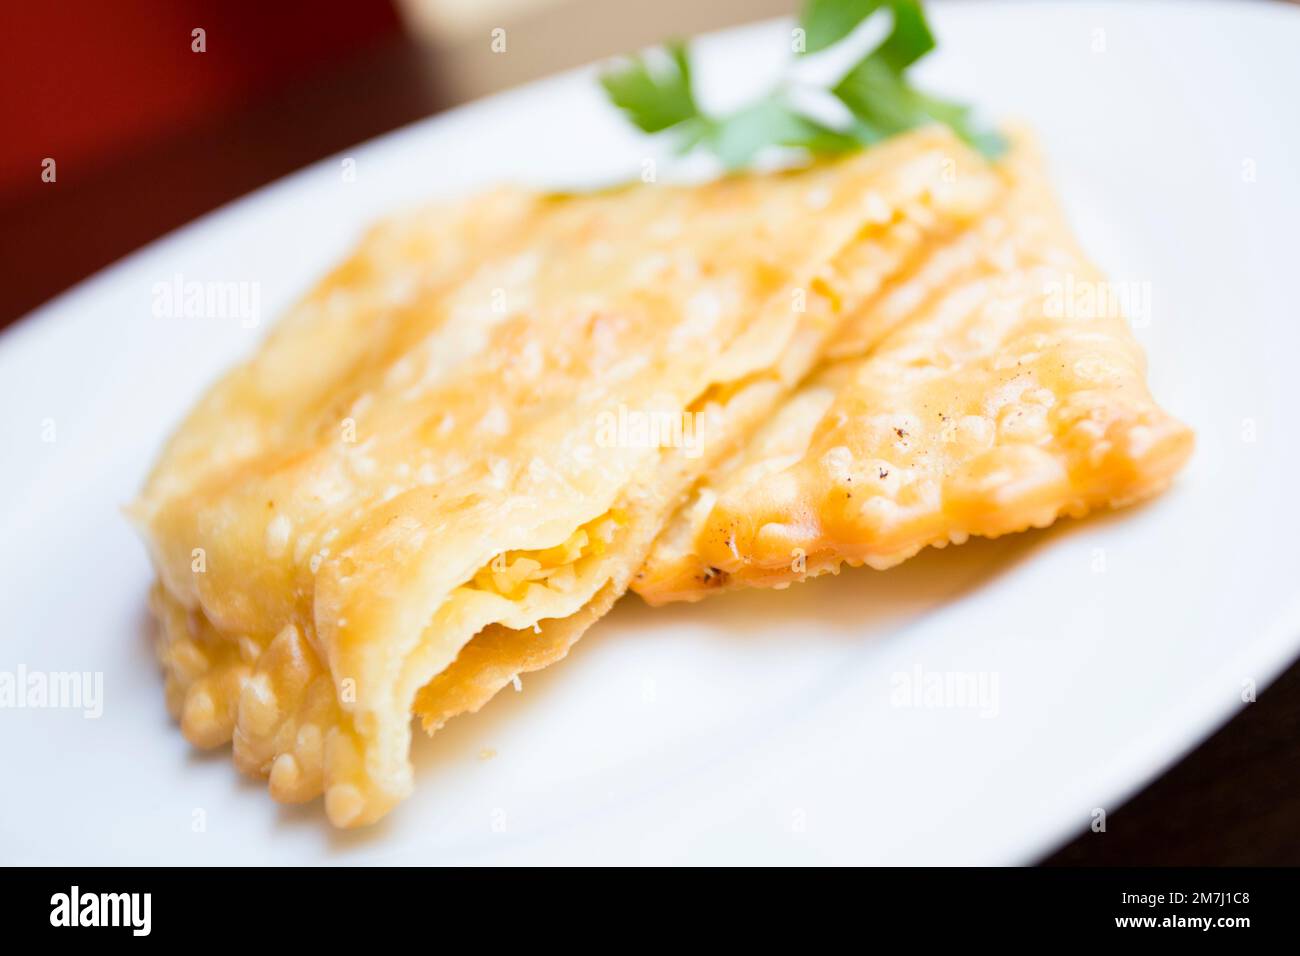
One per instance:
[(88, 81), (146, 133)]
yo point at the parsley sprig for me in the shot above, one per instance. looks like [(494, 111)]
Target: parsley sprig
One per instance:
[(654, 91)]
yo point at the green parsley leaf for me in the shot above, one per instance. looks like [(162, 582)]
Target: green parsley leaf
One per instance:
[(886, 104), (878, 94), (654, 96), (738, 138), (827, 22), (655, 93), (879, 97), (909, 39)]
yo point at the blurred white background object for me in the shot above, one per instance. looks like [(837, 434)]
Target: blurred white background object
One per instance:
[(544, 36)]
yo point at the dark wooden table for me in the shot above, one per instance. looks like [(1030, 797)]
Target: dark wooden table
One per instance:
[(1233, 800)]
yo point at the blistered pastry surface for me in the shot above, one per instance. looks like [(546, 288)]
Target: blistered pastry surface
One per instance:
[(994, 390)]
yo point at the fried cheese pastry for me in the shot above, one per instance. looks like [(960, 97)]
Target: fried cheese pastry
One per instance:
[(992, 390), (415, 482)]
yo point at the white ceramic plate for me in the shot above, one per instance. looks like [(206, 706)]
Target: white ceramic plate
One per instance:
[(758, 726)]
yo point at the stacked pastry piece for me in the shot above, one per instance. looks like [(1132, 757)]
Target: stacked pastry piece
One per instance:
[(412, 494), (994, 389)]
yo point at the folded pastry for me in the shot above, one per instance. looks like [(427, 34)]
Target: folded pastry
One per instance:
[(993, 389), (449, 459)]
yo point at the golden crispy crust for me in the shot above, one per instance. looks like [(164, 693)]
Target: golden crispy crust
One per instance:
[(414, 457), (994, 390)]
